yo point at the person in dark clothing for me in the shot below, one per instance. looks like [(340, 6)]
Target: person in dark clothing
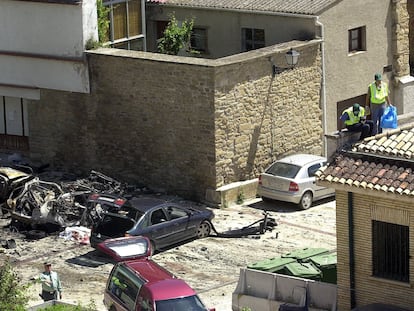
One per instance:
[(355, 121)]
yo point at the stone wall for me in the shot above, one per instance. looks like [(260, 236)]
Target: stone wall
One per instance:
[(401, 41), (260, 118), (410, 11), (179, 124)]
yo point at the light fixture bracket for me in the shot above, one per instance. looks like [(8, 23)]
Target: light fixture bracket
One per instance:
[(292, 57)]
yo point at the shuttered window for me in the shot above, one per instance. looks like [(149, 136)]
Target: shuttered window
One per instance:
[(134, 18), (125, 24), (119, 22)]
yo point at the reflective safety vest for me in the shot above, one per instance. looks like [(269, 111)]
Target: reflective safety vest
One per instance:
[(352, 118), (378, 95)]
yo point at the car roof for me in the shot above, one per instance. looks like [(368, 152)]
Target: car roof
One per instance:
[(170, 289), (149, 270), (162, 284), (144, 203), (302, 159)]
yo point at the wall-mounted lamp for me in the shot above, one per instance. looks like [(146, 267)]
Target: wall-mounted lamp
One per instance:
[(292, 57)]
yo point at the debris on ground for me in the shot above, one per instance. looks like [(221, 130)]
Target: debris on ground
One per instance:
[(32, 202), (40, 201)]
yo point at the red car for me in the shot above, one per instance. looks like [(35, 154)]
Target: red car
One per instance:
[(137, 283)]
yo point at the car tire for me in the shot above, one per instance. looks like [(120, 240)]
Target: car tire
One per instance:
[(203, 230), (35, 234), (306, 200)]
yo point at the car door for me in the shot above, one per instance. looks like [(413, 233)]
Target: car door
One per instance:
[(156, 226), (122, 289), (180, 218)]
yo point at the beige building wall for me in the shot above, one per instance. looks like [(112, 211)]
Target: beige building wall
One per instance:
[(348, 74), (224, 27), (184, 125), (369, 289)]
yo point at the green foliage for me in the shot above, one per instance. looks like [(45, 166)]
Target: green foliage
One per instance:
[(90, 307), (103, 21), (92, 44), (246, 309), (13, 295), (176, 38), (240, 197)]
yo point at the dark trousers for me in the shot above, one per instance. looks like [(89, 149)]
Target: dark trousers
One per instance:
[(364, 128), (46, 296), (377, 110)]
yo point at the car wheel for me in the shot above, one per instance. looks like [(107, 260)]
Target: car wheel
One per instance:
[(306, 200), (203, 229), (35, 234)]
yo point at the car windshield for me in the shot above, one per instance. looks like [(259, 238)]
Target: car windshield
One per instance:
[(191, 303), (281, 169)]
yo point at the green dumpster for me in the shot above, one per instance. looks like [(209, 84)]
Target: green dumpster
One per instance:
[(274, 265), (304, 253), (327, 264), (306, 270)]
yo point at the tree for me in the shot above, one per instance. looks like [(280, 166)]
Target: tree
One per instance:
[(13, 295), (176, 38)]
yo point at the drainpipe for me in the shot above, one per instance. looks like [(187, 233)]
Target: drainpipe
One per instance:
[(323, 93), (351, 248), (143, 25)]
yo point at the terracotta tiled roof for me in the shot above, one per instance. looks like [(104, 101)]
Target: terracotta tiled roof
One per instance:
[(383, 163), (398, 143), (308, 7)]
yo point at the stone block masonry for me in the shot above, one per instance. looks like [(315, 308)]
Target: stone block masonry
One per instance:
[(179, 124)]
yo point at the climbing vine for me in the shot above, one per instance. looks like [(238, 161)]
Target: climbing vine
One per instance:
[(103, 21)]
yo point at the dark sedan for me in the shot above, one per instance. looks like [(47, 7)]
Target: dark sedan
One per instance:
[(163, 223)]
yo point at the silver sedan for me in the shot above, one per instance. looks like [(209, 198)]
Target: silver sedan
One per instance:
[(292, 179)]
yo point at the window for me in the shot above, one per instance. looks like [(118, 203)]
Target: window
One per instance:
[(356, 40), (282, 169), (158, 216), (199, 39), (125, 285), (176, 212), (313, 169), (125, 29), (390, 251), (252, 39), (13, 116)]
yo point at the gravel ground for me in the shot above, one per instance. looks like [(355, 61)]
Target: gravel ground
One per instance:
[(211, 265)]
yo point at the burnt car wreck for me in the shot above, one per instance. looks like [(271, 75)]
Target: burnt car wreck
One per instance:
[(33, 202), (39, 204)]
